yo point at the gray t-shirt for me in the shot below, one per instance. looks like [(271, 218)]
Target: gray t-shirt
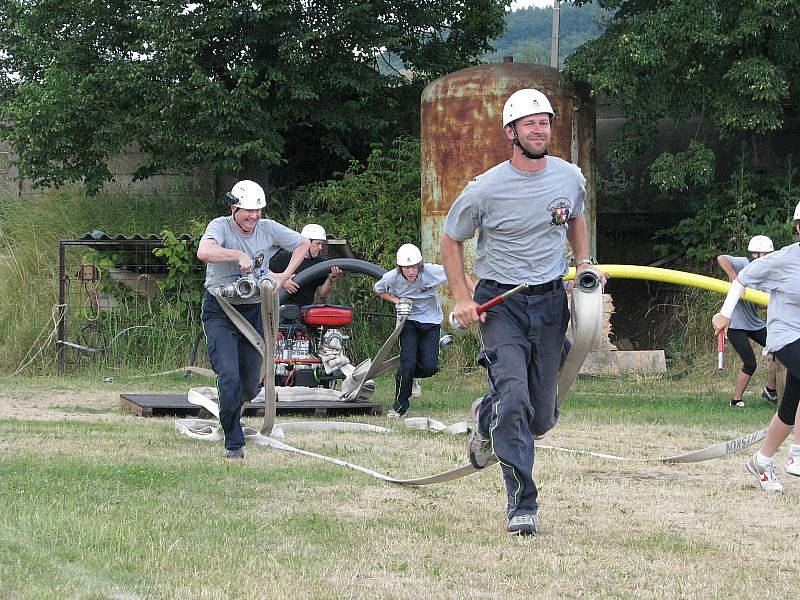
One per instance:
[(267, 238), (425, 307), (779, 274), (523, 219), (745, 315)]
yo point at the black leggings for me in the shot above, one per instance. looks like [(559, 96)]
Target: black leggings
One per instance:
[(740, 340), (789, 357)]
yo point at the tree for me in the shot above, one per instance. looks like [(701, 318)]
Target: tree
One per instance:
[(532, 27), (532, 52), (290, 85), (735, 64)]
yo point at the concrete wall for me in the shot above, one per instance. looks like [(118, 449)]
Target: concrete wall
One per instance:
[(171, 183)]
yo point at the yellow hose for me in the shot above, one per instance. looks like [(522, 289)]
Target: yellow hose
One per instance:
[(676, 277)]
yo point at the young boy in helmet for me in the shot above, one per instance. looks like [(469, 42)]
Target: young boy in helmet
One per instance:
[(304, 295), (233, 246), (779, 274), (524, 210), (746, 325), (416, 282)]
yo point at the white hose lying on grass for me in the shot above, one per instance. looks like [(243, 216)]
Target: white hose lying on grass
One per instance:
[(587, 311), (586, 323)]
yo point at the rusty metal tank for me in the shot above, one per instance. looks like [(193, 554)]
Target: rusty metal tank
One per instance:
[(462, 136)]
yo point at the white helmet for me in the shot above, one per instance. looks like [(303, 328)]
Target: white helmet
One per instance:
[(760, 243), (797, 212), (247, 195), (523, 103), (313, 231), (408, 255)]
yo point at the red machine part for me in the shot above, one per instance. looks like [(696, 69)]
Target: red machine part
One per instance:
[(327, 315)]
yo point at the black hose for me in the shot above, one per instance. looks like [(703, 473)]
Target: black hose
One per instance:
[(349, 265)]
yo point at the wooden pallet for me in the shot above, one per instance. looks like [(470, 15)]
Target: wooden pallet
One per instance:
[(158, 405)]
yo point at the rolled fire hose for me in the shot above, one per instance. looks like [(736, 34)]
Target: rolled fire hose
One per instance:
[(378, 365)]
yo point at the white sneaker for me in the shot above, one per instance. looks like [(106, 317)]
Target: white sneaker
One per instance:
[(792, 466), (416, 389), (766, 475)]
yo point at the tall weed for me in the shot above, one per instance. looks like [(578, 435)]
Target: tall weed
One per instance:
[(30, 230)]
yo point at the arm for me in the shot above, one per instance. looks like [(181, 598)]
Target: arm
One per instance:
[(460, 284), (725, 263), (470, 286), (209, 251), (578, 237), (298, 254), (388, 297), (722, 319), (326, 288)]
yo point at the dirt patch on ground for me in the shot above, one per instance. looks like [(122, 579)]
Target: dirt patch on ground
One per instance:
[(48, 405)]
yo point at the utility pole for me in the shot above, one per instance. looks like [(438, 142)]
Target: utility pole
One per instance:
[(554, 43)]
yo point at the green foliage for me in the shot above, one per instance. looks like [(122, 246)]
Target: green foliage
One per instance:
[(529, 31), (671, 171), (532, 52), (376, 205), (293, 86), (747, 205), (184, 281), (735, 64)]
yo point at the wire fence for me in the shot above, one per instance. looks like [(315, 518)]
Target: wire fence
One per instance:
[(115, 307)]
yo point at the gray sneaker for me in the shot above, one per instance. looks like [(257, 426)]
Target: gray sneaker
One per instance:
[(524, 524), (234, 454), (479, 447)]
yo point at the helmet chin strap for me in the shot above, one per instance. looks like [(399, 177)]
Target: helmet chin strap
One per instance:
[(525, 152)]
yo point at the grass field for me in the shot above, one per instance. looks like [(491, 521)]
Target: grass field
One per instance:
[(98, 504)]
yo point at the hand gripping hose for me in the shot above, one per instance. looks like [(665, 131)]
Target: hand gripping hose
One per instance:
[(486, 306)]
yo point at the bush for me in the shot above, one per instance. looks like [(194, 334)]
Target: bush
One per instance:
[(375, 206), (749, 204)]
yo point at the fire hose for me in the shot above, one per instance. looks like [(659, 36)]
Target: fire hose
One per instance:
[(587, 306), (586, 325)]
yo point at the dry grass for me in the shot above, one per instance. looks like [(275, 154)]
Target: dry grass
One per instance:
[(108, 505)]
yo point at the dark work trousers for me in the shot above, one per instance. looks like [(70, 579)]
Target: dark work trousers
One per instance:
[(789, 357), (740, 340), (235, 361), (419, 357), (523, 349)]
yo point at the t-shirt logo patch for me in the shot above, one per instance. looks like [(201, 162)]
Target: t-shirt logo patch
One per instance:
[(559, 212), (258, 260)]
